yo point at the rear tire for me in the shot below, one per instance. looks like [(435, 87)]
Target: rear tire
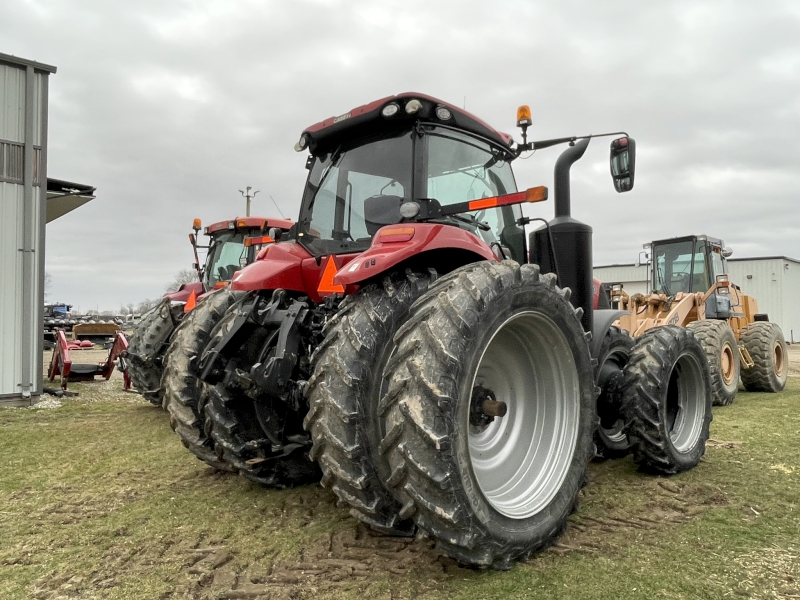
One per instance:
[(722, 352), (764, 341), (146, 349), (468, 482), (344, 393), (667, 400), (185, 396), (611, 437)]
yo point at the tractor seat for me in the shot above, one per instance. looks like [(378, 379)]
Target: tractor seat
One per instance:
[(380, 211)]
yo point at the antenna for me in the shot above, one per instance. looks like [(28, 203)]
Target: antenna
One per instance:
[(276, 206)]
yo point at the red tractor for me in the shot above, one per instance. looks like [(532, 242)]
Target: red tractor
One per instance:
[(232, 245), (441, 368)]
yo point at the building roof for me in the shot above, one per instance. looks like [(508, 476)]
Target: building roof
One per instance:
[(10, 59)]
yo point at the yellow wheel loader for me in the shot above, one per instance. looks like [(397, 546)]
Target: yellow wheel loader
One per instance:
[(691, 288)]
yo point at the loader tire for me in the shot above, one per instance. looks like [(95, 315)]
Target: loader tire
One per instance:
[(239, 438), (767, 347), (611, 437), (344, 392), (482, 488), (146, 349), (722, 352), (185, 396), (667, 400)]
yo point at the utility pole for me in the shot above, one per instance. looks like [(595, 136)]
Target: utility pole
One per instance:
[(248, 196)]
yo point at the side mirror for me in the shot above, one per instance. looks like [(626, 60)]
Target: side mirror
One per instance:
[(275, 233), (623, 163)]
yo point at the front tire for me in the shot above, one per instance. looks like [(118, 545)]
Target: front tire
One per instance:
[(764, 341), (490, 491), (146, 350), (667, 400), (722, 353)]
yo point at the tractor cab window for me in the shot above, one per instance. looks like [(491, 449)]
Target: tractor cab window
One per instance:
[(717, 265), (223, 259), (461, 168), (351, 193), (680, 267)]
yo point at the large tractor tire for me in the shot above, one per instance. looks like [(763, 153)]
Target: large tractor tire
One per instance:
[(185, 396), (344, 392), (722, 352), (490, 412), (667, 400), (237, 424), (611, 437), (764, 341), (146, 350)]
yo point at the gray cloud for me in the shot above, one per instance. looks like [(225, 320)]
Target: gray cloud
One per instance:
[(170, 107)]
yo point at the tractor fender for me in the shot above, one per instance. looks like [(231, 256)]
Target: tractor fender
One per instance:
[(602, 320), (182, 293), (278, 266), (395, 244)]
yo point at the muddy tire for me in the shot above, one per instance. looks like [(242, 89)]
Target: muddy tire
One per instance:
[(667, 400), (185, 396), (146, 349), (344, 392), (611, 437), (764, 341), (722, 352), (239, 437), (502, 331)]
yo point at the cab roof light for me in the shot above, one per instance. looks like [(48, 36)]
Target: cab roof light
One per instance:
[(413, 106), (390, 110), (301, 144), (197, 224), (443, 113), (241, 223), (524, 116)]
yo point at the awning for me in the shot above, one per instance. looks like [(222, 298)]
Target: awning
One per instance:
[(65, 196)]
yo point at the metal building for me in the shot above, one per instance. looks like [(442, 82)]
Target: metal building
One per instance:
[(23, 198), (774, 281)]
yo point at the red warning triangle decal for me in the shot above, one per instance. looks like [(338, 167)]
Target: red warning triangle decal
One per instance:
[(326, 285), (190, 303)]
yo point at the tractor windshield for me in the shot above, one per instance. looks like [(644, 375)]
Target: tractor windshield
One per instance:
[(462, 168), (680, 267), (223, 257), (351, 193)]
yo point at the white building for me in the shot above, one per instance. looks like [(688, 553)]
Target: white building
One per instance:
[(774, 281), (25, 208)]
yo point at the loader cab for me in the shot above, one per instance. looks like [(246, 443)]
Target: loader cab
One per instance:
[(365, 165), (691, 264)]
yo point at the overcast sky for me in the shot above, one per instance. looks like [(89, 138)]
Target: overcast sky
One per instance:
[(169, 108)]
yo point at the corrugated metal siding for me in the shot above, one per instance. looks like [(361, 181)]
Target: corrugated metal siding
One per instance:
[(765, 284), (633, 278), (791, 301), (12, 104), (11, 197)]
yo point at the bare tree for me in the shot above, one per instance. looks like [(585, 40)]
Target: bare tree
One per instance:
[(181, 277)]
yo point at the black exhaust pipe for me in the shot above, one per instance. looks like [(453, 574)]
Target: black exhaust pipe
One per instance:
[(564, 247)]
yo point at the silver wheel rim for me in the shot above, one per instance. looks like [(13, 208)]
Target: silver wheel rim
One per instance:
[(520, 461), (685, 403)]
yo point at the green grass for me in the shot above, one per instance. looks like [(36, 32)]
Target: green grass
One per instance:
[(98, 499)]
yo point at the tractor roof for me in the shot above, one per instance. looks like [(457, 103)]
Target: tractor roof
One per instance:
[(368, 120), (690, 238), (262, 223)]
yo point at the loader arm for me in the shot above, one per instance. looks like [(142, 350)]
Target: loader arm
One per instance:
[(655, 310)]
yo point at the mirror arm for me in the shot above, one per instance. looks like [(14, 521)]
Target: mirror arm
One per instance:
[(540, 145)]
